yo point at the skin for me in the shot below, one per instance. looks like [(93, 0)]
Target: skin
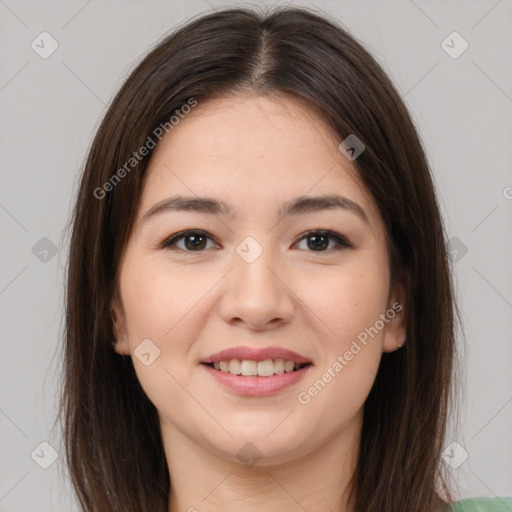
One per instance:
[(255, 153)]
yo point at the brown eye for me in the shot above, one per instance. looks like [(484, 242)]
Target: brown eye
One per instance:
[(194, 241), (319, 240)]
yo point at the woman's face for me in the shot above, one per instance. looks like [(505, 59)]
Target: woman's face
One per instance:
[(255, 282)]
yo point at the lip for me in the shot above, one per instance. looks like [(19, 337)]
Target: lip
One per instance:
[(256, 386), (256, 354)]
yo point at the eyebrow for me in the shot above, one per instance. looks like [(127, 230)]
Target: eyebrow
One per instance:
[(296, 206)]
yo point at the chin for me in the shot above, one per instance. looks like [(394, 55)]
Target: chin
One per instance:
[(261, 448)]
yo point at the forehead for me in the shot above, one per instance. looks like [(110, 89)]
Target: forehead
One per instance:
[(268, 127), (250, 150)]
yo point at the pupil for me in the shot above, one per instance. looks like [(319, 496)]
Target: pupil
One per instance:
[(317, 243), (198, 243)]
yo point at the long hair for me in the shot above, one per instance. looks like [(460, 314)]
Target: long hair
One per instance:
[(111, 429)]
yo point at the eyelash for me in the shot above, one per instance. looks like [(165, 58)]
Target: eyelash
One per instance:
[(342, 242)]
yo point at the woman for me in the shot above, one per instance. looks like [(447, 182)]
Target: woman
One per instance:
[(259, 307)]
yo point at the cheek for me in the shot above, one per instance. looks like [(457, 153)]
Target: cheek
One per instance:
[(163, 305), (348, 306), (159, 300), (346, 301)]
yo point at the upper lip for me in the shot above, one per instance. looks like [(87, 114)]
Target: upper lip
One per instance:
[(256, 354)]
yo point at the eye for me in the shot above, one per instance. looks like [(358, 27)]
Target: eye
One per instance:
[(194, 241), (319, 240)]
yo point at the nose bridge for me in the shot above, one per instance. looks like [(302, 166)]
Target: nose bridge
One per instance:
[(256, 291), (253, 260)]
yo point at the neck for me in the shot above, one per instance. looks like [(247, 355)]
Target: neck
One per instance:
[(202, 481)]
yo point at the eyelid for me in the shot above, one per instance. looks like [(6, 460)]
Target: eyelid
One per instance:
[(169, 242), (341, 241)]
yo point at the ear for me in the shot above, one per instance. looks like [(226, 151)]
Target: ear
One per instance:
[(119, 331), (395, 330)]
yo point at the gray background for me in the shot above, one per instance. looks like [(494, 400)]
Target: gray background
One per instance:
[(49, 109)]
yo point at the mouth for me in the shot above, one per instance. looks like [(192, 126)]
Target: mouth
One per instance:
[(256, 372), (252, 368)]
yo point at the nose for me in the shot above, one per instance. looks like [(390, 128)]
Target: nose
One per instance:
[(257, 294)]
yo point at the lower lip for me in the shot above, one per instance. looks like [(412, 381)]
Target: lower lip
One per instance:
[(257, 386)]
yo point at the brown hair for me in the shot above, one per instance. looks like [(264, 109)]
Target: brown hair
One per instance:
[(111, 429)]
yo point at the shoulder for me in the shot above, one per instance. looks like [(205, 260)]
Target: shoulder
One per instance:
[(496, 504)]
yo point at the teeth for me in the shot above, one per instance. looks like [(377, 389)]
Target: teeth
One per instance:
[(288, 366), (235, 367), (266, 368), (278, 366), (247, 367)]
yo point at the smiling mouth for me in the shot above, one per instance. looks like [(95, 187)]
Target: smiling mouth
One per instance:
[(249, 368)]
